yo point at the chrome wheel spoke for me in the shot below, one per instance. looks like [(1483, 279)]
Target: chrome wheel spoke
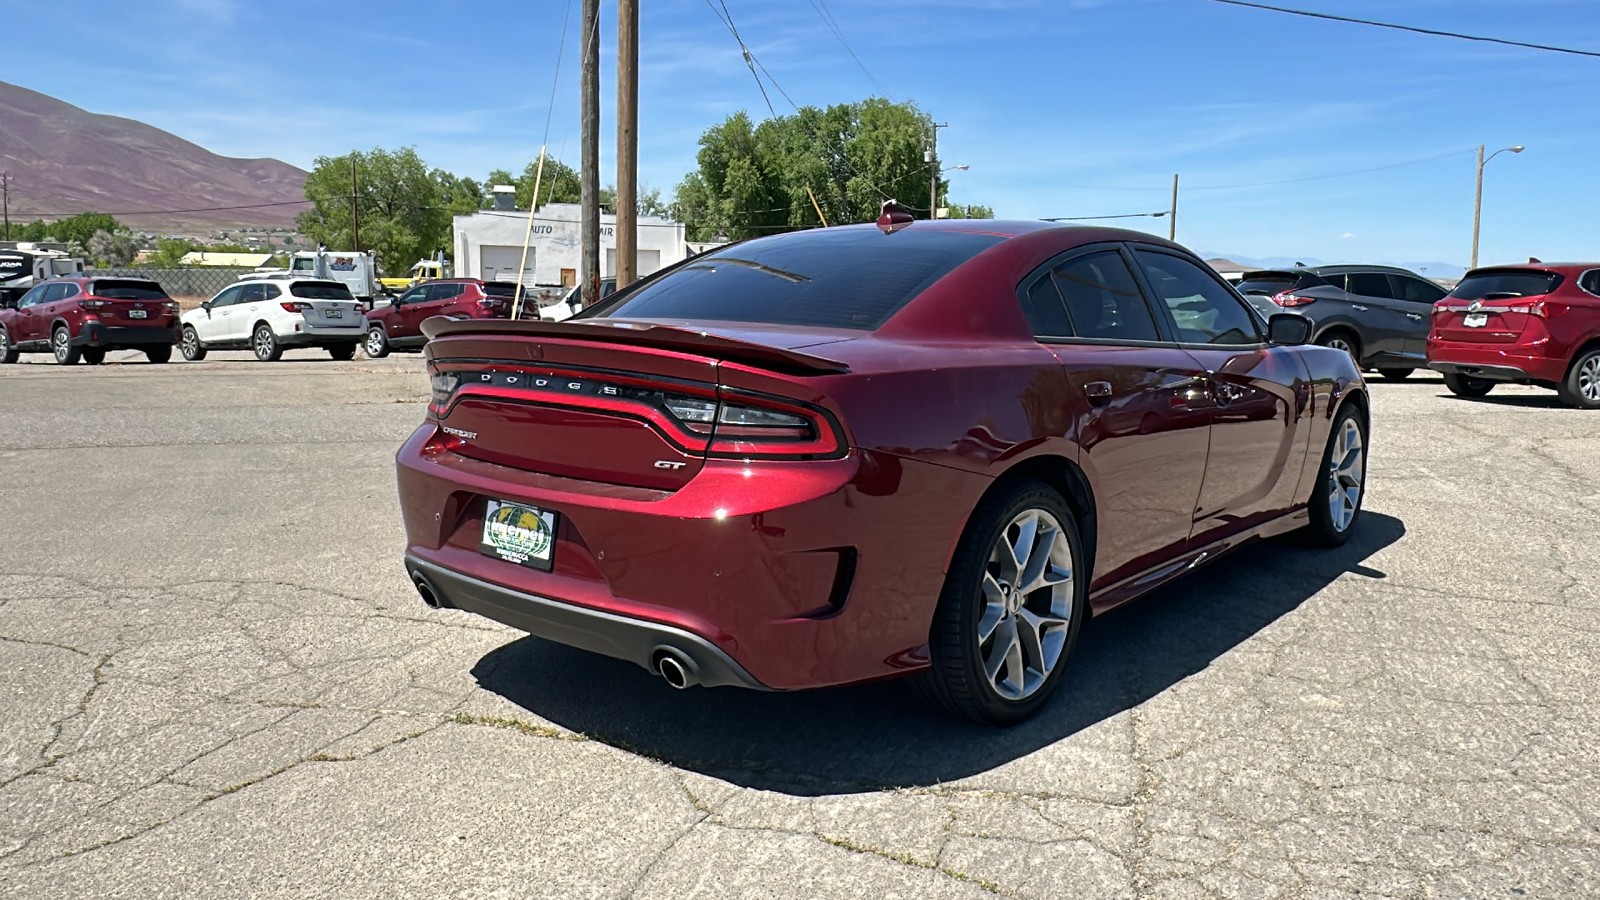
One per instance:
[(1027, 594), (994, 608)]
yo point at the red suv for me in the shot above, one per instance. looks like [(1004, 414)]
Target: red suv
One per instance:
[(398, 326), (1533, 324), (82, 317)]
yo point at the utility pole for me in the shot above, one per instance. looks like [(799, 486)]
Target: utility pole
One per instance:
[(627, 142), (355, 204), (1477, 210), (933, 171), (1172, 214), (5, 191), (589, 177)]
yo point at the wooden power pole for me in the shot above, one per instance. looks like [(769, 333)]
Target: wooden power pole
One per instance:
[(1172, 215), (589, 177), (627, 142), (355, 205)]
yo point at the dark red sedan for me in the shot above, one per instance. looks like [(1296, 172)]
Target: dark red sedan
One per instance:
[(840, 455)]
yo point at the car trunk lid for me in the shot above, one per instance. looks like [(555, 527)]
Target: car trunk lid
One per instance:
[(1493, 306), (637, 404), (129, 303)]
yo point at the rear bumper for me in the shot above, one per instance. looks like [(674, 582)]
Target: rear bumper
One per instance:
[(1495, 362), (323, 337), (803, 574), (110, 337), (620, 637)]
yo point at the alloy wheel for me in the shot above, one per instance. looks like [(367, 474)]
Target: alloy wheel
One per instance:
[(61, 343), (191, 343), (1339, 343), (1346, 475), (1027, 604), (263, 343), (1589, 378), (374, 342)]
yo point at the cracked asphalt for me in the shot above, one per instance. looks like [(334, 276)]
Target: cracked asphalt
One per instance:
[(218, 682)]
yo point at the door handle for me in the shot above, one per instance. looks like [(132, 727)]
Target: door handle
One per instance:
[(1358, 306), (1098, 392), (1414, 316)]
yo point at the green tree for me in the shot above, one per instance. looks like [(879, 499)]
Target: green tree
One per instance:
[(107, 248), (970, 211), (169, 253), (404, 216), (560, 183), (844, 160)]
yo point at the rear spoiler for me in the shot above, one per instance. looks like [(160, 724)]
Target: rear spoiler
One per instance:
[(641, 334)]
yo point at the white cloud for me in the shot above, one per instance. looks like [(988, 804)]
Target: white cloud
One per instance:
[(1347, 235)]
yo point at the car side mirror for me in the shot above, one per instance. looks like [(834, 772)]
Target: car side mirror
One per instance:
[(1288, 329)]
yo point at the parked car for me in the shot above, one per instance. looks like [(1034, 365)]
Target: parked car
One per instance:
[(572, 303), (1531, 324), (839, 455), (82, 318), (268, 316), (398, 326), (1377, 314)]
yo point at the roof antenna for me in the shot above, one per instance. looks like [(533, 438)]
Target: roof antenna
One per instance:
[(894, 217)]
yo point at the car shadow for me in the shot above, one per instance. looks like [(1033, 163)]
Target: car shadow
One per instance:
[(852, 739), (1549, 400)]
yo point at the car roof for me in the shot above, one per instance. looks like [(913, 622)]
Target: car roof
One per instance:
[(1345, 268), (1563, 268)]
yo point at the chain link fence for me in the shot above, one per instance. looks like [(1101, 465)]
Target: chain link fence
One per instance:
[(188, 286)]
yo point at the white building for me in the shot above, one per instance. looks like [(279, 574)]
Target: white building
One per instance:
[(488, 245)]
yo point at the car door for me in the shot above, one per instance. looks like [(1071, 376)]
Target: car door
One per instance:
[(1417, 297), (212, 326), (400, 322), (1257, 396), (433, 303), (1145, 432), (26, 325), (246, 311), (1384, 326)]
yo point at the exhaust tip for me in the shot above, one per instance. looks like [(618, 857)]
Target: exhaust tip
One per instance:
[(426, 591), (675, 668)]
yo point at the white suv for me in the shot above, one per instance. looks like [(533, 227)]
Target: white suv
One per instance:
[(267, 316)]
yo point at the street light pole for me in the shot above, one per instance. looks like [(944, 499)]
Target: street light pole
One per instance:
[(1172, 223), (933, 171), (1477, 201)]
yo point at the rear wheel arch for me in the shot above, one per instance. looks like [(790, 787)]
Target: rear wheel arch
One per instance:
[(61, 322), (1349, 332), (1592, 344), (1067, 479), (261, 322)]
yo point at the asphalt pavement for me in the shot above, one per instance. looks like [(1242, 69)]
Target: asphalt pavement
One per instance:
[(219, 683)]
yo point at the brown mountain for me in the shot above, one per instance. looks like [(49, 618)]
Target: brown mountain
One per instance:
[(66, 160)]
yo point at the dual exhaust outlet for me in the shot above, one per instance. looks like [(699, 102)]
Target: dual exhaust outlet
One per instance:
[(674, 666)]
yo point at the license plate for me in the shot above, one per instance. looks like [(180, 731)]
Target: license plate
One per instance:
[(333, 313), (137, 314), (1476, 320), (525, 535)]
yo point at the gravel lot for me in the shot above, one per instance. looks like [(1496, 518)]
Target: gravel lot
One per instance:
[(218, 682)]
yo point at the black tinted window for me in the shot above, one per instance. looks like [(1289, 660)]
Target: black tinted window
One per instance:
[(128, 290), (1337, 279), (1204, 311), (1509, 283), (1415, 290), (1103, 299), (320, 290), (500, 289), (1591, 281), (846, 278), (1369, 284), (1042, 303)]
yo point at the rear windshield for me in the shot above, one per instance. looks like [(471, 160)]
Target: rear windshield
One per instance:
[(320, 290), (1506, 283), (1275, 282), (852, 278), (128, 290), (500, 288)]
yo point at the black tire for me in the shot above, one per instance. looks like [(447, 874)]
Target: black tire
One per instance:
[(8, 353), (342, 351), (1581, 388), (61, 346), (1344, 339), (189, 345), (265, 344), (377, 343), (1465, 386), (1325, 530), (159, 355), (93, 356), (957, 681), (1395, 374)]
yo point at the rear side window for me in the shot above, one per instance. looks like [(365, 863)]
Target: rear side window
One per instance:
[(320, 290), (127, 290), (1506, 283), (1103, 299), (1370, 284), (831, 278), (1042, 304), (1204, 311), (1415, 290), (500, 289), (1590, 281)]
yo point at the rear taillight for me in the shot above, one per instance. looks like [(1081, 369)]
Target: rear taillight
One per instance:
[(170, 306), (488, 304), (1290, 298), (1536, 308), (296, 306), (93, 304), (720, 424)]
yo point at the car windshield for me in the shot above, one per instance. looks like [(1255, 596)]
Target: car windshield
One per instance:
[(500, 288), (128, 290), (1506, 283), (320, 290), (830, 278)]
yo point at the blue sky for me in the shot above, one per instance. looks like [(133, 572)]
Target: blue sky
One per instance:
[(1059, 107)]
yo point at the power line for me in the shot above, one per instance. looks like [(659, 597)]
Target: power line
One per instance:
[(1253, 184), (749, 58), (1411, 28), (821, 7), (164, 212)]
